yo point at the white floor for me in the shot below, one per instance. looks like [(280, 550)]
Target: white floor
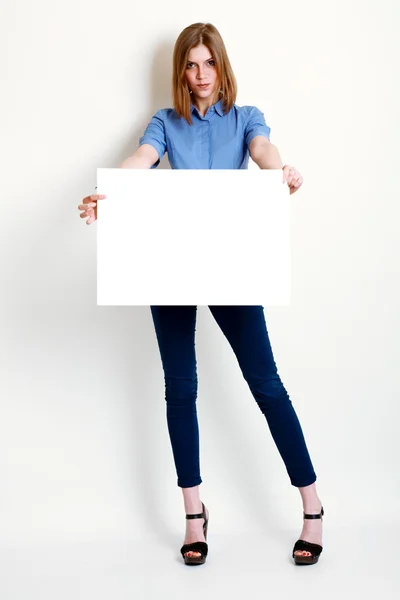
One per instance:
[(355, 563)]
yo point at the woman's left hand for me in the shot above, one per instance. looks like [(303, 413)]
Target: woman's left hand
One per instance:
[(292, 178)]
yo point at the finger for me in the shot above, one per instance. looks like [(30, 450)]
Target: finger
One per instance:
[(86, 206), (87, 213), (285, 170), (93, 197)]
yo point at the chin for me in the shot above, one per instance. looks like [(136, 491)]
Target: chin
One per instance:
[(209, 92)]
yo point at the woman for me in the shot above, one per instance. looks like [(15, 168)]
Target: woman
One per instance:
[(207, 130)]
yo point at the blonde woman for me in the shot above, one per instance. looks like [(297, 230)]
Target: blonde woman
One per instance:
[(205, 129)]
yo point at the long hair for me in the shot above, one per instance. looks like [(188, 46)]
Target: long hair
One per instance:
[(190, 37)]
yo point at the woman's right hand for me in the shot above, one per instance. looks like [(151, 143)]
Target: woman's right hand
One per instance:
[(89, 207)]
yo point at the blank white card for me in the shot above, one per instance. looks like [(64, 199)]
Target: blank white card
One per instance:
[(193, 237)]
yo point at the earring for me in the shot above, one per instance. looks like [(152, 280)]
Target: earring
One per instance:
[(190, 92)]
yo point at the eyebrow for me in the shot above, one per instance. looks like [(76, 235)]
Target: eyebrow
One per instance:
[(195, 63)]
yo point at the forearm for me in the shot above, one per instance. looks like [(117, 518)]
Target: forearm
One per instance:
[(135, 162), (266, 156)]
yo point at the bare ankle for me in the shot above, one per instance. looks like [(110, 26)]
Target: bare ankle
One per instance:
[(191, 499)]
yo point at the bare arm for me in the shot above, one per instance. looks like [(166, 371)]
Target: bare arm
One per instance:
[(265, 154), (144, 158)]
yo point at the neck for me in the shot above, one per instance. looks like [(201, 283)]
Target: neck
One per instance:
[(203, 105)]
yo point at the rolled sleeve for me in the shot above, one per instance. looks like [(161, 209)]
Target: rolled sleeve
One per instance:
[(256, 125), (154, 135)]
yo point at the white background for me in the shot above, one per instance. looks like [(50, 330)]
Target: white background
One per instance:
[(84, 448)]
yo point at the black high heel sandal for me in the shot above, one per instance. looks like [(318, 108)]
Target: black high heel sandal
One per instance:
[(201, 547), (315, 549)]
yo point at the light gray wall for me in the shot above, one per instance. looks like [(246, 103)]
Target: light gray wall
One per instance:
[(84, 448)]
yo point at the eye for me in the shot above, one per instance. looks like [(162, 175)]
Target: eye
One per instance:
[(210, 61)]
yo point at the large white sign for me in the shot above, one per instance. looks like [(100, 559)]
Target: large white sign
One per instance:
[(193, 236)]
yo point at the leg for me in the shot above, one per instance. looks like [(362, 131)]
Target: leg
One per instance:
[(246, 331), (175, 330)]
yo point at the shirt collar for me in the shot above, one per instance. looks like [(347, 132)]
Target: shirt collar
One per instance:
[(217, 106)]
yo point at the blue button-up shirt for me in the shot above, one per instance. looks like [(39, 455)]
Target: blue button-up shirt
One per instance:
[(215, 141)]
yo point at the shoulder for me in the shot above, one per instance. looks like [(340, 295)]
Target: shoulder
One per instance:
[(245, 109), (164, 114), (159, 113), (163, 117), (248, 113), (167, 113)]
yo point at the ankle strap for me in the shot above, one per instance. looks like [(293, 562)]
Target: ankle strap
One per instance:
[(198, 516), (318, 516)]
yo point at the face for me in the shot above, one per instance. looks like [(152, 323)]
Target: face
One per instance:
[(201, 68)]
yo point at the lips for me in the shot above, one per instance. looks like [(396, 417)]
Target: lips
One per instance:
[(203, 85)]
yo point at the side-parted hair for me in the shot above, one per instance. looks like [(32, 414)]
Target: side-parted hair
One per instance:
[(190, 37)]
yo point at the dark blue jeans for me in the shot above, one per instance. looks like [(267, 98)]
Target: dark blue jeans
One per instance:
[(246, 331)]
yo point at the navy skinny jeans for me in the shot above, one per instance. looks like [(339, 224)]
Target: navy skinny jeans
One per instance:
[(246, 331)]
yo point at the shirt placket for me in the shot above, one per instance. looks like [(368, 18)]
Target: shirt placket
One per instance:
[(206, 137)]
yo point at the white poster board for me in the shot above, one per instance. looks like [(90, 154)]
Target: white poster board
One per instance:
[(193, 237)]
